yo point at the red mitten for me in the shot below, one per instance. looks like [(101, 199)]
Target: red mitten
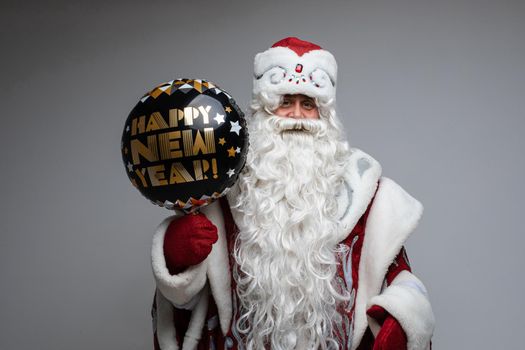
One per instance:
[(391, 336), (188, 241)]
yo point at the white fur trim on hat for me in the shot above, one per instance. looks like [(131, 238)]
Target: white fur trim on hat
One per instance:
[(280, 70)]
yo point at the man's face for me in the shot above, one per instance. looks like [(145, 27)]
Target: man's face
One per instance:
[(298, 107)]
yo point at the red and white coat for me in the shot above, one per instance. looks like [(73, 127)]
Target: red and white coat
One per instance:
[(195, 309)]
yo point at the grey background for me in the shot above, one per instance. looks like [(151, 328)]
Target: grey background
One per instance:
[(434, 90)]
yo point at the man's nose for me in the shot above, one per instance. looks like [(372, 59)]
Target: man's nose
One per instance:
[(296, 111)]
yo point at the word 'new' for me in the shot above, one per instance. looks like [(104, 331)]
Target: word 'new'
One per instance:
[(167, 145)]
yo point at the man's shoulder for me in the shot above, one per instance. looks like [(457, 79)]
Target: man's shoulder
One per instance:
[(364, 186), (363, 180), (395, 208)]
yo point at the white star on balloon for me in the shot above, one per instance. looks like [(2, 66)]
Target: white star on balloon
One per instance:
[(130, 167), (235, 127), (238, 150), (127, 128), (219, 118), (230, 172)]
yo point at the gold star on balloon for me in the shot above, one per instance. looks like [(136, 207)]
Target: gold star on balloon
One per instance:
[(228, 109), (231, 152), (222, 141)]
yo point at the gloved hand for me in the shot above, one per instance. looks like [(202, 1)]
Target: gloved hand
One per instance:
[(391, 336), (188, 241)]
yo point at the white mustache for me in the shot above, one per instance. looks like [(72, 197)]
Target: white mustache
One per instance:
[(282, 124)]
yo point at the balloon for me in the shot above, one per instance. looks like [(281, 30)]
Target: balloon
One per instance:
[(184, 144)]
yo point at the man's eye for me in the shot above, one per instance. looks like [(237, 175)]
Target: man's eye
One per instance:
[(308, 105), (285, 103)]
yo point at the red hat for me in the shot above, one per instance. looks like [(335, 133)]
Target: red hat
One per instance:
[(295, 66)]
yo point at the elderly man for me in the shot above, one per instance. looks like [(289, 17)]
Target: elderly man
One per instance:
[(306, 251)]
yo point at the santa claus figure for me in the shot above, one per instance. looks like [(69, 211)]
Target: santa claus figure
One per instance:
[(306, 251)]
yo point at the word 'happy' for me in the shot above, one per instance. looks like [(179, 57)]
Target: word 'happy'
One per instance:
[(157, 122)]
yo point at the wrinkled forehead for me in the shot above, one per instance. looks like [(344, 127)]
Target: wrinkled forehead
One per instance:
[(298, 97)]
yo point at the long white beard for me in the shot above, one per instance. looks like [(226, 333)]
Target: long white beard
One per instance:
[(285, 208)]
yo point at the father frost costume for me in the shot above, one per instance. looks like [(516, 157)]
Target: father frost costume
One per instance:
[(309, 251)]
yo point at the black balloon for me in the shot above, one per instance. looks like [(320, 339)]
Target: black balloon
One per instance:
[(184, 144)]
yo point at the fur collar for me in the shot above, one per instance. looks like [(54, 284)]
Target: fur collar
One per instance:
[(357, 189)]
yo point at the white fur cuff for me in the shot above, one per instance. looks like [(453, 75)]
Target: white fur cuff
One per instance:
[(407, 300), (180, 289)]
